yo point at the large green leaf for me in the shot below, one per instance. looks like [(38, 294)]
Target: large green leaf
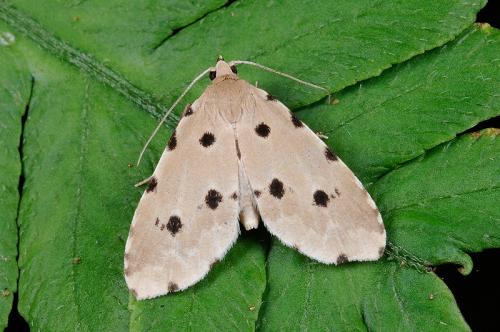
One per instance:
[(446, 204), (86, 126), (15, 90), (335, 43), (381, 296)]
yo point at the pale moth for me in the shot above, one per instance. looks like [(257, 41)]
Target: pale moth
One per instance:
[(238, 155)]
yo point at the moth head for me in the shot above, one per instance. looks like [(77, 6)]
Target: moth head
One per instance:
[(222, 68)]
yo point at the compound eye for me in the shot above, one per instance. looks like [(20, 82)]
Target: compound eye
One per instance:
[(211, 75), (233, 69)]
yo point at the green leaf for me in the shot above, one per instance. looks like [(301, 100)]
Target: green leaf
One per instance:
[(446, 204), (384, 122), (15, 89), (379, 296), (85, 126), (353, 40)]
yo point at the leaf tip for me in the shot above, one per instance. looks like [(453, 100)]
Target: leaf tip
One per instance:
[(489, 132), (485, 27)]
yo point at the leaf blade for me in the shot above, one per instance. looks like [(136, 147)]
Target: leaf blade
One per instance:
[(463, 213), (352, 56), (354, 297), (419, 104)]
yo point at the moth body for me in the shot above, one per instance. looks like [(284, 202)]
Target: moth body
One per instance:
[(238, 155)]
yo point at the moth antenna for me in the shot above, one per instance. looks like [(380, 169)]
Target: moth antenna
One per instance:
[(193, 82), (258, 65)]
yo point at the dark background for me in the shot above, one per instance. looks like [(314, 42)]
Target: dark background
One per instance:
[(478, 294)]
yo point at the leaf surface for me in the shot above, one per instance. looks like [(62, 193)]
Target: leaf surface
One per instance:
[(384, 122), (86, 124), (445, 205), (352, 40), (378, 296)]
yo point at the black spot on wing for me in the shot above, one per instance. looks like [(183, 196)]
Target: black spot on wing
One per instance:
[(213, 198), (330, 155), (174, 225), (207, 139), (321, 198), (257, 193), (172, 142), (270, 97), (276, 189), (296, 122), (152, 184), (337, 192), (172, 287), (342, 259), (157, 222), (262, 130), (234, 196)]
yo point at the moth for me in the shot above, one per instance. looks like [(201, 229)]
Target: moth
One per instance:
[(238, 156)]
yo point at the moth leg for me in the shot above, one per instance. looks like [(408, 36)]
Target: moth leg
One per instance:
[(143, 182), (321, 135)]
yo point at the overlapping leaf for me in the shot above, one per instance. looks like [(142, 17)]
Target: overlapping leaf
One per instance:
[(378, 296), (387, 121), (330, 43), (445, 205)]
